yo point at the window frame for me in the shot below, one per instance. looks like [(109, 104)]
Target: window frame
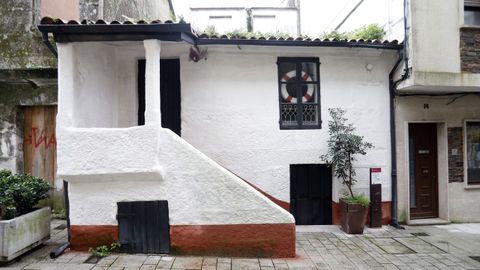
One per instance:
[(298, 61), (470, 6), (465, 156)]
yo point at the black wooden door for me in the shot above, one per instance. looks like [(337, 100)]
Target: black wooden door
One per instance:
[(143, 227), (170, 94), (311, 194), (424, 192)]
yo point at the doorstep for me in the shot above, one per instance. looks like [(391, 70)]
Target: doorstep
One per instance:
[(428, 221)]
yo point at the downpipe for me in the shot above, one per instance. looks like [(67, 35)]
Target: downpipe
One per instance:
[(49, 45), (393, 149), (392, 91)]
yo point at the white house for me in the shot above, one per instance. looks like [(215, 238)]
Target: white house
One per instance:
[(251, 112)]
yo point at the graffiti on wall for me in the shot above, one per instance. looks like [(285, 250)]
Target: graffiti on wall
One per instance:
[(38, 137)]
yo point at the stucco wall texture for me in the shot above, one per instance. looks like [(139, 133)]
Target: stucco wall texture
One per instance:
[(230, 112), (230, 106), (100, 154), (229, 120), (106, 162)]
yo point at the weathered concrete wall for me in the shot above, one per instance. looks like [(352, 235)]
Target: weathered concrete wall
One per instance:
[(16, 91), (428, 54), (122, 10), (27, 77), (21, 44), (444, 60), (27, 69)]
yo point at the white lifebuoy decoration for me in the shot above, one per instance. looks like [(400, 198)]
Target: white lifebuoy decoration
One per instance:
[(305, 77)]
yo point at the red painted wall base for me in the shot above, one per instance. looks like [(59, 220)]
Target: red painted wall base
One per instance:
[(239, 240), (251, 240), (83, 237)]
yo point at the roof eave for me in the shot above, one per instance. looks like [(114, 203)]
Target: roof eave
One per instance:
[(119, 32), (298, 43)]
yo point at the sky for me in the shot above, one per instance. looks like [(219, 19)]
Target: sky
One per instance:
[(319, 16)]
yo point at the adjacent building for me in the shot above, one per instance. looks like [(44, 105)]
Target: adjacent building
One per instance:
[(438, 113)]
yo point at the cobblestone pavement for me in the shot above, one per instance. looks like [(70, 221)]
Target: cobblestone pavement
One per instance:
[(318, 247)]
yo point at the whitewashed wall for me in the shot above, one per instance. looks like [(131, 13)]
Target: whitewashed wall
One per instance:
[(105, 84), (230, 111), (230, 114), (197, 189), (108, 164)]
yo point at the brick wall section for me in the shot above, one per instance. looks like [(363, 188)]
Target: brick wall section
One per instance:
[(470, 50), (455, 162)]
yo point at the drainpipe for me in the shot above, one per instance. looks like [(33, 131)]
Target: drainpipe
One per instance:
[(49, 45), (392, 89), (393, 151)]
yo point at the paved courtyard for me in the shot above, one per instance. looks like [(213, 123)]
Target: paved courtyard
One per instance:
[(318, 247)]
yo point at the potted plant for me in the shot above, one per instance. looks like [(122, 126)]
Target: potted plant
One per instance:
[(343, 146), (22, 226)]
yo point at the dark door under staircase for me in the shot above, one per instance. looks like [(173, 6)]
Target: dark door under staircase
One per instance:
[(311, 194), (143, 227)]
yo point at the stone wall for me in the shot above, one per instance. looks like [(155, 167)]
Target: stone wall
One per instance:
[(455, 154), (21, 45), (470, 50), (27, 75)]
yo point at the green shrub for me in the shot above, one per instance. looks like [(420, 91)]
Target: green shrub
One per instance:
[(59, 214), (19, 193), (366, 32), (104, 250), (335, 35), (358, 199), (369, 32)]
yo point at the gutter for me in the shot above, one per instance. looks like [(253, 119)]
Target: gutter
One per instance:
[(297, 43)]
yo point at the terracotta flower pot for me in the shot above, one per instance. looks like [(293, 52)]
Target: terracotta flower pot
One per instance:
[(354, 217)]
